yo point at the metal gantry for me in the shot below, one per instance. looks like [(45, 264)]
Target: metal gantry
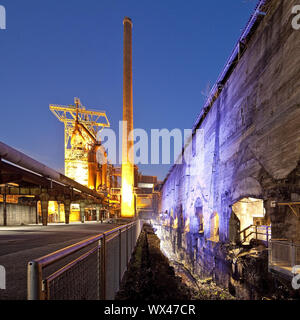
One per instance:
[(92, 120), (76, 159)]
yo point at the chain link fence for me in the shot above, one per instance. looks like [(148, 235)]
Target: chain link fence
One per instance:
[(89, 270)]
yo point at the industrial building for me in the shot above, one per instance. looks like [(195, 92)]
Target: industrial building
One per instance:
[(117, 191)]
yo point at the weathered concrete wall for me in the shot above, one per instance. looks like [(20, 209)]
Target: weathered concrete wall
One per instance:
[(251, 138), (18, 214), (252, 132)]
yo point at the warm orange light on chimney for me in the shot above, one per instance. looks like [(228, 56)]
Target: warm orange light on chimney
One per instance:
[(127, 205)]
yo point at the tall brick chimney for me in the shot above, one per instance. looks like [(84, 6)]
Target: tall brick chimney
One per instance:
[(127, 206)]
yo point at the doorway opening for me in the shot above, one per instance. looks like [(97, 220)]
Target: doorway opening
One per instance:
[(251, 216)]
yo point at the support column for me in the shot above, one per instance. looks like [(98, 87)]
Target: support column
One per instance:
[(66, 199), (58, 210), (36, 213), (44, 197), (82, 211), (98, 213), (44, 206), (67, 205)]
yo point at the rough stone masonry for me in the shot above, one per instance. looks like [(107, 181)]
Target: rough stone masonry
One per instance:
[(251, 149)]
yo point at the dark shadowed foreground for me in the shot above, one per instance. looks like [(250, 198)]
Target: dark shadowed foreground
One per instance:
[(151, 277)]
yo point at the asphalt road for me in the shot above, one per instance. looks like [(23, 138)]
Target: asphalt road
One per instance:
[(19, 245)]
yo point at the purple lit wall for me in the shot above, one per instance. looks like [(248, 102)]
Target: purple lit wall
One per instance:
[(251, 132)]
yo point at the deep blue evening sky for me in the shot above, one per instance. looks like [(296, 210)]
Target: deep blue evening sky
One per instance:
[(54, 50)]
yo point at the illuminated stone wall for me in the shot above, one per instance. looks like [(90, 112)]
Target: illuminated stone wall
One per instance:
[(251, 134), (251, 149)]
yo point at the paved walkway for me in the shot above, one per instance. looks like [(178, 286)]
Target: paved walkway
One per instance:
[(19, 245)]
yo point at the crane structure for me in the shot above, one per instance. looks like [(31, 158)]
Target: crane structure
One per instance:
[(81, 129)]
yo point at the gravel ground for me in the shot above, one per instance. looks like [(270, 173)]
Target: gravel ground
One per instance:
[(201, 289), (152, 277)]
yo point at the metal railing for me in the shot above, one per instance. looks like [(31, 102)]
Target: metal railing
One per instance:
[(283, 256), (256, 232), (88, 270)]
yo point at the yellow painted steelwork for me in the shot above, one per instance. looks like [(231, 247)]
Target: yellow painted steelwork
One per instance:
[(78, 142)]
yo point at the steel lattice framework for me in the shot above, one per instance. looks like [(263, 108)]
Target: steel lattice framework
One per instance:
[(94, 121)]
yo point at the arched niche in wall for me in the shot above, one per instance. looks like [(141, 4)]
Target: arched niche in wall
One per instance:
[(214, 227), (249, 211), (198, 215), (180, 217)]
